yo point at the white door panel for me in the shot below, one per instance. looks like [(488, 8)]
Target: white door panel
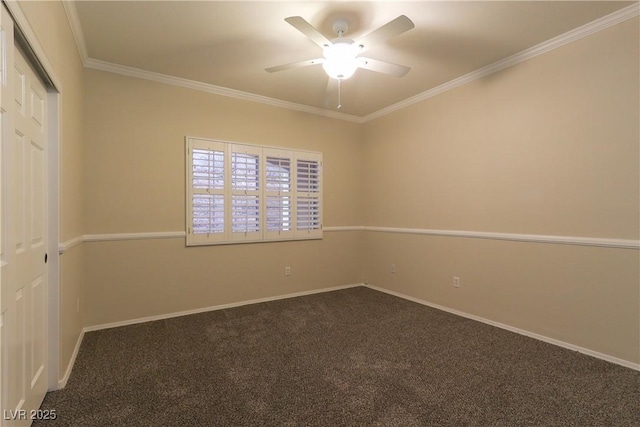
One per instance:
[(23, 279)]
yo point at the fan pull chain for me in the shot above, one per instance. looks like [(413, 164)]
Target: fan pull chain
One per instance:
[(339, 94)]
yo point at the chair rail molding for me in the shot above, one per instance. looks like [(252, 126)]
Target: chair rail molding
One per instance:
[(602, 242), (530, 238)]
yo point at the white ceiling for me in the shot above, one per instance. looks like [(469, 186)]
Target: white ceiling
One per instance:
[(229, 43)]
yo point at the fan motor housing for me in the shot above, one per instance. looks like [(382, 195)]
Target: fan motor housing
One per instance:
[(340, 26)]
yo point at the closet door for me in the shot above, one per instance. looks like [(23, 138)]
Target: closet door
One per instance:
[(23, 277)]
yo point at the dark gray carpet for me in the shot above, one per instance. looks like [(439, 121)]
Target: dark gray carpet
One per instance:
[(350, 357)]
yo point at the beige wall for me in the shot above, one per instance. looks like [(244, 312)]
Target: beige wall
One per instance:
[(551, 147), (139, 278), (135, 182), (135, 150), (51, 27)]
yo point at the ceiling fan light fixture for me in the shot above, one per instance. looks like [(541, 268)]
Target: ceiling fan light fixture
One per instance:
[(340, 70), (340, 59), (340, 55)]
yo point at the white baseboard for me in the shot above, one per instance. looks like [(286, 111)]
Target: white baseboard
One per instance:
[(63, 381), (214, 308), (606, 357)]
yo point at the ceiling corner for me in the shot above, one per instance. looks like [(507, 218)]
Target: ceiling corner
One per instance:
[(76, 29)]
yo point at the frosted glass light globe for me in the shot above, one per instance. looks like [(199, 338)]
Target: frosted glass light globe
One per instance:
[(340, 59)]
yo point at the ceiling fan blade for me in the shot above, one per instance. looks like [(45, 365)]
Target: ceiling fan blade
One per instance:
[(308, 30), (295, 65), (382, 66), (388, 30)]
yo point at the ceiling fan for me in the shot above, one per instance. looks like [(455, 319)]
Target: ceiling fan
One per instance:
[(340, 56)]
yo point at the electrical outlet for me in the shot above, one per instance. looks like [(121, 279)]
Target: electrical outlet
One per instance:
[(456, 282), (287, 271), (392, 269)]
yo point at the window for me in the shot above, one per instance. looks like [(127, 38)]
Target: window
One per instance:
[(244, 193)]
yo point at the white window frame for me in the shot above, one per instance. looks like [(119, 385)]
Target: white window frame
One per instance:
[(300, 194)]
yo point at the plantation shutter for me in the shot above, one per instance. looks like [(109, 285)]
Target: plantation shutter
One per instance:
[(206, 183), (278, 192), (244, 193), (308, 200), (246, 205)]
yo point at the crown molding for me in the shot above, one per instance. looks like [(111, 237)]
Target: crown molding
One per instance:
[(96, 64), (614, 18), (76, 29)]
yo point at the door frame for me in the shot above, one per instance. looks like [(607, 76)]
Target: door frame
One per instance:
[(36, 56), (53, 217)]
